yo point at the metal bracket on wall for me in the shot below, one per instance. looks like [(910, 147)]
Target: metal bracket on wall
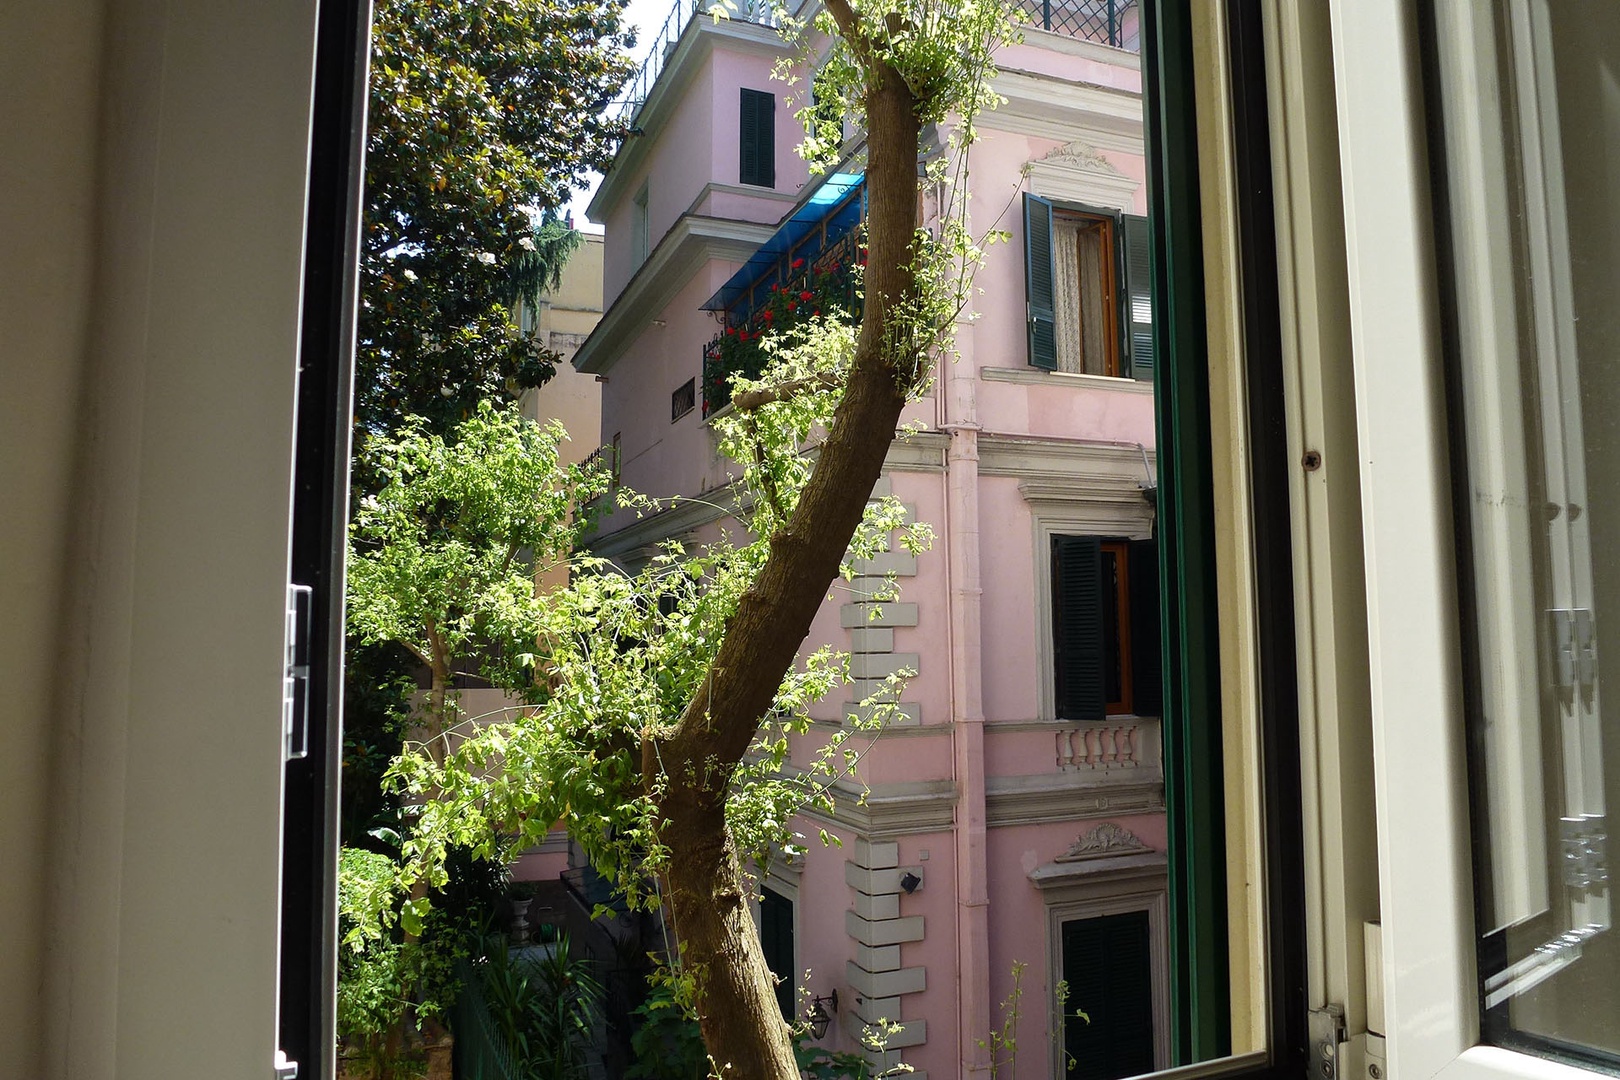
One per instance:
[(1327, 1034), (295, 681)]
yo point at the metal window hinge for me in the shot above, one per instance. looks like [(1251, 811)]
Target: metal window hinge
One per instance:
[(1585, 851), (295, 681), (285, 1070), (1327, 1034), (1574, 645)]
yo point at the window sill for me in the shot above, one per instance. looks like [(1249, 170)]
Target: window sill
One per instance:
[(1034, 376)]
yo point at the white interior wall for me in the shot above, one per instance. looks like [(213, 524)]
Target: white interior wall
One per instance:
[(153, 158)]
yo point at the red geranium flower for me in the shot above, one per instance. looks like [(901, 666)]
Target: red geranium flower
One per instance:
[(806, 295), (767, 314), (792, 306), (797, 263)]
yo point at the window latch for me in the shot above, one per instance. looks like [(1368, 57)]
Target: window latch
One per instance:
[(295, 679), (285, 1069)]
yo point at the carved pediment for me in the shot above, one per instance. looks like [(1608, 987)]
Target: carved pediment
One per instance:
[(1078, 172), (1103, 841), (1081, 155)]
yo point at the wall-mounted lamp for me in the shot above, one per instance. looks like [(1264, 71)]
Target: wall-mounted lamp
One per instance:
[(822, 1010), (910, 882)]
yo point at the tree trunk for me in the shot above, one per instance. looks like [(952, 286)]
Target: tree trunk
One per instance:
[(719, 944), (742, 1024)]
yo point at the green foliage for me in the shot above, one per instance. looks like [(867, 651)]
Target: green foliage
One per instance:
[(666, 1043), (620, 654), (443, 557), (829, 285), (481, 118), (944, 50), (543, 1009)]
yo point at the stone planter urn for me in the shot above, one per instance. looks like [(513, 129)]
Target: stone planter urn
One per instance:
[(518, 928)]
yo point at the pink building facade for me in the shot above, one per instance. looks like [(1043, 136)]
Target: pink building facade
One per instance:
[(1014, 818)]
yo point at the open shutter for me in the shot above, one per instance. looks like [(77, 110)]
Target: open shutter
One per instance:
[(1147, 670), (1108, 964), (1077, 628), (1042, 310), (756, 151), (1136, 299)]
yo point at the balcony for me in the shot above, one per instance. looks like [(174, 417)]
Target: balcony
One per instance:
[(807, 268)]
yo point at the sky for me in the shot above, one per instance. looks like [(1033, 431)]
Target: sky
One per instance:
[(647, 16)]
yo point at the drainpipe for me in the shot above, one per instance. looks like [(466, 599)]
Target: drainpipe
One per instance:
[(958, 417)]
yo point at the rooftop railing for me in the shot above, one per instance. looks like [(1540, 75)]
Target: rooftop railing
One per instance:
[(1106, 22), (663, 44)]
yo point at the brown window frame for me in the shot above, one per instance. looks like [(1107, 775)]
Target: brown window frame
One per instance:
[(1121, 551), (1108, 286)]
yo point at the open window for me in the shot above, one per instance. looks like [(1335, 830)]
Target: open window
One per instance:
[(1086, 274)]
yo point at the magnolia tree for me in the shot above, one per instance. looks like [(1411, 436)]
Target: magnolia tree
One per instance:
[(662, 702)]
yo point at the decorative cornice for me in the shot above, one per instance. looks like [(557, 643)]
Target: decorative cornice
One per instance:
[(1031, 800), (691, 242), (1141, 871), (1109, 838), (1083, 467), (1068, 45), (885, 811), (1048, 107), (1034, 376)]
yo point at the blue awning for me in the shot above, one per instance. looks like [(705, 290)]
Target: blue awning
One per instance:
[(804, 220)]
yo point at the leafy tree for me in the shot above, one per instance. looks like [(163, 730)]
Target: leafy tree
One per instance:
[(482, 118), (668, 697)]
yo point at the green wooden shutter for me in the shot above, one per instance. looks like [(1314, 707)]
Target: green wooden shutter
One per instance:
[(1136, 313), (1038, 277), (1108, 964), (756, 149), (776, 942), (1077, 628), (1147, 670)]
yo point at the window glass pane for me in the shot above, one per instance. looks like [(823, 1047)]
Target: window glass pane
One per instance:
[(1530, 94)]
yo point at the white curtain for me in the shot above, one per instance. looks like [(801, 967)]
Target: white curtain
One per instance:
[(1066, 293)]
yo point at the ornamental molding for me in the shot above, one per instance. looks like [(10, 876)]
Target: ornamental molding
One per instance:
[(1074, 796), (1077, 172), (886, 811), (1081, 155), (1038, 104), (1109, 838)]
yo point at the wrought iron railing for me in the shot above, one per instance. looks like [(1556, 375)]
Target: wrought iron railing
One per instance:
[(663, 43), (803, 285), (1107, 22), (479, 1052)]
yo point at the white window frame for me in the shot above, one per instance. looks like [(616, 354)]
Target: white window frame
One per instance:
[(1110, 505), (1430, 978), (1077, 891)]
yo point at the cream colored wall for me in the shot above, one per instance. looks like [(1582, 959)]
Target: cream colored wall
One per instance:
[(563, 321), (154, 160), (47, 163)]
